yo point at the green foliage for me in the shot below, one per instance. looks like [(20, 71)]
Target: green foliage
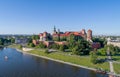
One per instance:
[(56, 38), (5, 41), (72, 42), (12, 40), (29, 40), (73, 38), (114, 50), (1, 41), (62, 47), (49, 37), (46, 51), (116, 68), (63, 39), (54, 46), (76, 50), (93, 56), (20, 46), (41, 45), (35, 37), (78, 45), (31, 45), (102, 51), (80, 60), (102, 42)]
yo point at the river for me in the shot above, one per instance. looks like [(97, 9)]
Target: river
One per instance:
[(20, 64)]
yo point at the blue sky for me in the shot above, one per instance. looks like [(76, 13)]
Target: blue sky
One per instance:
[(35, 16)]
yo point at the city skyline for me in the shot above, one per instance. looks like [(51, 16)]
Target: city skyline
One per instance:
[(36, 16)]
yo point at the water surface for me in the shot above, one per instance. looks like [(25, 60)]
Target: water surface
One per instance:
[(24, 65)]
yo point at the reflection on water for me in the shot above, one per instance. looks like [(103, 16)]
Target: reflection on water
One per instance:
[(24, 65), (1, 48)]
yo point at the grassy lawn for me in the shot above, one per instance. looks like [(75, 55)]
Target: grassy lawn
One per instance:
[(17, 46), (116, 58), (116, 65), (80, 60), (116, 68)]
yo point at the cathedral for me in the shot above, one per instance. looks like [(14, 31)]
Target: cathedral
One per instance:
[(48, 39), (82, 33)]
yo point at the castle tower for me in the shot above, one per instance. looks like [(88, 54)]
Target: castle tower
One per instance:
[(84, 33), (89, 35), (58, 31), (54, 31), (41, 37), (58, 34), (45, 36)]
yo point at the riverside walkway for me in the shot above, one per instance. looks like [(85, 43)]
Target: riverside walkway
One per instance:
[(112, 73)]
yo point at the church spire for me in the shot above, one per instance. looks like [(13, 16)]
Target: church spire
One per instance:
[(54, 29), (58, 31)]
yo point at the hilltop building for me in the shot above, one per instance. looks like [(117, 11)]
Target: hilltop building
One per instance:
[(114, 42), (48, 39), (45, 36), (81, 33)]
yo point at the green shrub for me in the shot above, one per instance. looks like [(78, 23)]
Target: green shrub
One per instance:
[(20, 46), (93, 56), (47, 51)]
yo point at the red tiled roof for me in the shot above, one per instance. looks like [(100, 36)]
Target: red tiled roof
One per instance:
[(40, 34), (69, 33)]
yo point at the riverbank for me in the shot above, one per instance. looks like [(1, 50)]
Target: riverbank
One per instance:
[(32, 66), (79, 61), (70, 60), (60, 61), (27, 49), (73, 63)]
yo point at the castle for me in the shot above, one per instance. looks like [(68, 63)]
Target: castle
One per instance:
[(57, 34), (48, 39)]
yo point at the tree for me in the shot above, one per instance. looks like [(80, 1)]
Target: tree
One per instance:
[(54, 46), (81, 47), (114, 50), (102, 52), (71, 41), (29, 40), (20, 46), (41, 45), (49, 37), (47, 51), (56, 38), (31, 45), (62, 47), (93, 57), (12, 40), (78, 45), (63, 38), (76, 50), (35, 37), (1, 41), (102, 42)]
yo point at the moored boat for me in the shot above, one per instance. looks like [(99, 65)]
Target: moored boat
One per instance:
[(6, 57), (100, 71)]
